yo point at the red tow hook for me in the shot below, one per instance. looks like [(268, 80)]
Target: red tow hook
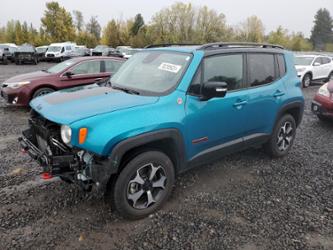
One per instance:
[(46, 176)]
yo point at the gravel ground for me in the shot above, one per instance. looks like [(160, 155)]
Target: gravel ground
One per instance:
[(246, 201)]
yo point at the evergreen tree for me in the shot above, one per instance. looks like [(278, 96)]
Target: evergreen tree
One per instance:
[(322, 31), (94, 28), (138, 23), (57, 23)]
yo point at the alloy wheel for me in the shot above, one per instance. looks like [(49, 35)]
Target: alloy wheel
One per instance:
[(146, 187), (43, 93), (285, 136), (307, 81)]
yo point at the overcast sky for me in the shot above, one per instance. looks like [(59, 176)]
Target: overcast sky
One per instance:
[(295, 15)]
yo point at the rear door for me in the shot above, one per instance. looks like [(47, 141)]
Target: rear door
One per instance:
[(317, 71), (86, 72), (265, 91), (326, 66)]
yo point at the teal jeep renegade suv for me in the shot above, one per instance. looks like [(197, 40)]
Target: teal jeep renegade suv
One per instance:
[(168, 108)]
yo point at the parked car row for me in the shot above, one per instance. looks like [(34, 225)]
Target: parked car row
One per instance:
[(58, 52)]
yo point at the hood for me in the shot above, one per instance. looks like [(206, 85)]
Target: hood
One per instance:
[(68, 106), (28, 77), (301, 66)]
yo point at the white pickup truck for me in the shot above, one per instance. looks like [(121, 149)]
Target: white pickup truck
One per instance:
[(313, 67)]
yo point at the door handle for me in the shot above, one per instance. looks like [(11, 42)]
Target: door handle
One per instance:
[(278, 93), (240, 103)]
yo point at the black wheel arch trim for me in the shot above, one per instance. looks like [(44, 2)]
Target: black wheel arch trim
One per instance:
[(299, 105), (143, 139), (112, 164)]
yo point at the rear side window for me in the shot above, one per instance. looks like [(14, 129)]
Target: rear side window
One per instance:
[(325, 60), (261, 69), (112, 66), (224, 68), (281, 65), (90, 67), (68, 48)]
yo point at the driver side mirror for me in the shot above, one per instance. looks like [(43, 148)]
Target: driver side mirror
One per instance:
[(213, 89), (69, 74), (316, 64)]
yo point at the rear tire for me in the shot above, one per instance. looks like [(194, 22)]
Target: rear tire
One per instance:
[(323, 118), (42, 91), (330, 77), (5, 60), (143, 185), (306, 80), (282, 138)]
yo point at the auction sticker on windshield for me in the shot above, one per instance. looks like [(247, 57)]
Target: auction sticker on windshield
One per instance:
[(170, 67)]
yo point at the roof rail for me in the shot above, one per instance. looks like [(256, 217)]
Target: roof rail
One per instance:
[(170, 45), (239, 44)]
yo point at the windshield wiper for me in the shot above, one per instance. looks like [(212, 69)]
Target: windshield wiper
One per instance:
[(128, 91), (45, 70)]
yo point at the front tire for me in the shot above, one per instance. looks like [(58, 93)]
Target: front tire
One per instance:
[(306, 80), (42, 91), (143, 185), (282, 138)]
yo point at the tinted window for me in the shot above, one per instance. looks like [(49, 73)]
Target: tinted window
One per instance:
[(261, 69), (318, 60), (91, 67), (325, 60), (224, 68), (112, 66), (282, 65)]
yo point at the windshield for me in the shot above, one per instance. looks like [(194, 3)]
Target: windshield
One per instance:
[(54, 49), (302, 60), (100, 48), (26, 49), (41, 50), (60, 67), (152, 71)]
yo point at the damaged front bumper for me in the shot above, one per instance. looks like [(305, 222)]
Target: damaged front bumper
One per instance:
[(70, 164)]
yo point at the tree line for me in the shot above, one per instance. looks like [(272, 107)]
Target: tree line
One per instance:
[(178, 23)]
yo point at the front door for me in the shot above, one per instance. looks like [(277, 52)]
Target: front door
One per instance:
[(87, 72), (217, 121)]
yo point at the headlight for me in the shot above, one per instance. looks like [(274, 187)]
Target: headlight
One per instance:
[(324, 91), (66, 134), (301, 69), (16, 85)]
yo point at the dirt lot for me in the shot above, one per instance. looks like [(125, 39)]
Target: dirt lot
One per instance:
[(245, 201)]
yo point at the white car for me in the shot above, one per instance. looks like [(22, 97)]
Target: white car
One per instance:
[(59, 51), (313, 67)]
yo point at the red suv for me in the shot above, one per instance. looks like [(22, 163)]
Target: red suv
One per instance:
[(322, 105), (19, 90)]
